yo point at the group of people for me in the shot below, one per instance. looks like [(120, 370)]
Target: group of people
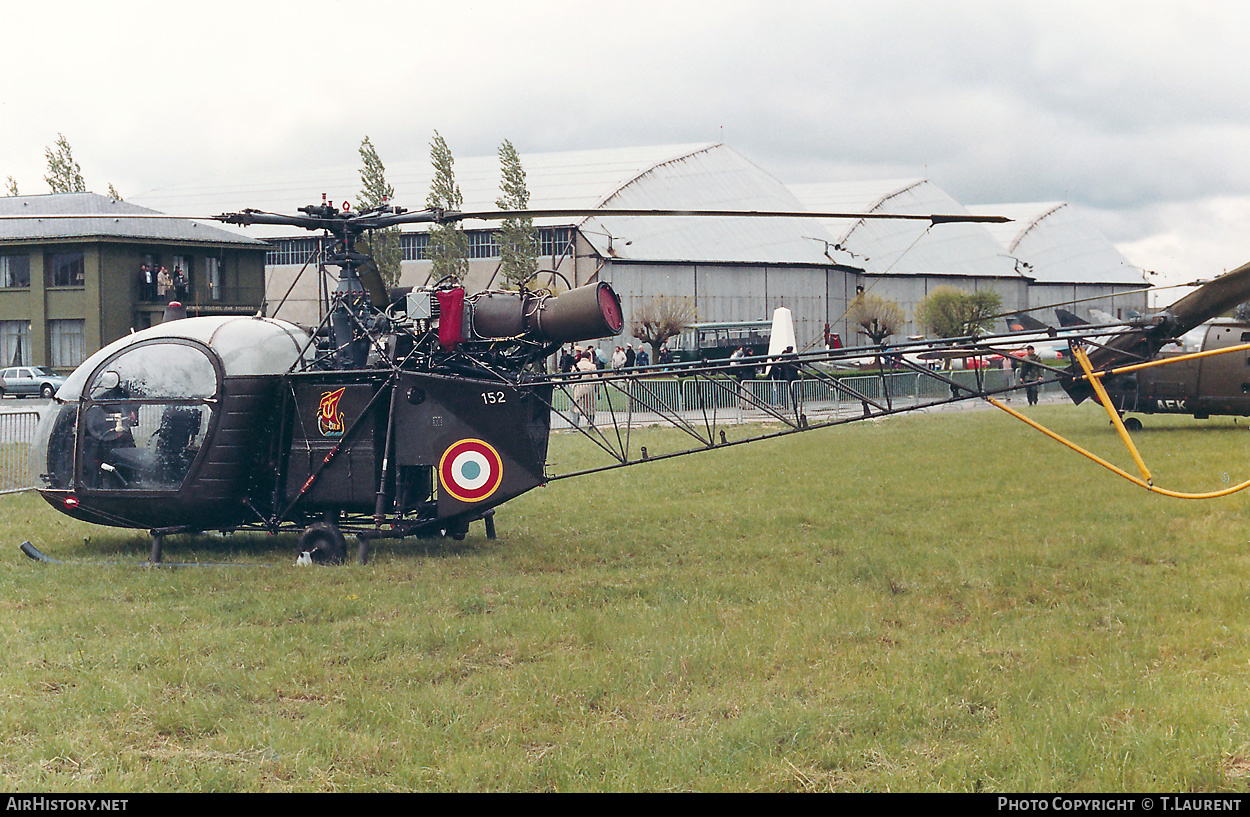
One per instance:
[(157, 283), (584, 360), (622, 357)]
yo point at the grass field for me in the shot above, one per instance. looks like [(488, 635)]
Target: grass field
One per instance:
[(948, 602)]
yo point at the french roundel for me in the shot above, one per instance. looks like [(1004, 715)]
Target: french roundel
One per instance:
[(470, 470)]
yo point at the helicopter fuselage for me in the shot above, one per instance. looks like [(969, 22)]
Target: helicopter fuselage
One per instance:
[(1201, 386), (207, 424)]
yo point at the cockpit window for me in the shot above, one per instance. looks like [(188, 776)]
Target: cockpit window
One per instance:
[(154, 371), (144, 416), (141, 446)]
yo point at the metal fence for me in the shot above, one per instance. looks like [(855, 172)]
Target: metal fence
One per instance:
[(17, 432), (650, 400)]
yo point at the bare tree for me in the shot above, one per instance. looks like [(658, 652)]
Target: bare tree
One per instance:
[(877, 317), (662, 317)]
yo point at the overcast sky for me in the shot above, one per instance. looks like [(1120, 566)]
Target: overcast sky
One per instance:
[(1138, 113)]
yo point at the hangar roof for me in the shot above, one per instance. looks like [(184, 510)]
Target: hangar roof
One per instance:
[(1059, 245), (572, 179), (103, 217), (907, 246), (713, 177)]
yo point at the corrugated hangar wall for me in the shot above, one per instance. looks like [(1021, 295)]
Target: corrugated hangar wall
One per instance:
[(910, 289), (731, 292)]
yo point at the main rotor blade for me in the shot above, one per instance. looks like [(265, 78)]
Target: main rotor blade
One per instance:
[(100, 216), (378, 220), (490, 215), (1211, 299)]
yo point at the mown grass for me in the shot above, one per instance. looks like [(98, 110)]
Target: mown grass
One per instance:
[(946, 602)]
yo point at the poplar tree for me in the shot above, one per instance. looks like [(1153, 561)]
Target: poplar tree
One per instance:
[(517, 242), (11, 185), (449, 246), (64, 174), (383, 245)]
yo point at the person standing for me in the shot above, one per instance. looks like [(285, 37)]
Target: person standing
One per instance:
[(164, 283), (784, 372), (738, 372), (147, 283), (1030, 373), (584, 391)]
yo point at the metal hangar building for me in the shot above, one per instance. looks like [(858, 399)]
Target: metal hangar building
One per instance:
[(734, 269)]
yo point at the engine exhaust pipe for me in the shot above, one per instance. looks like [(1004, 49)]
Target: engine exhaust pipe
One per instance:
[(584, 313)]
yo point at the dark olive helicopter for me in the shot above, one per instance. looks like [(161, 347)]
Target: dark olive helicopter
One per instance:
[(1207, 369), (417, 412), (1208, 363)]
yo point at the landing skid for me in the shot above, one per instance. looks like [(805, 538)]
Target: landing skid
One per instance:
[(39, 556)]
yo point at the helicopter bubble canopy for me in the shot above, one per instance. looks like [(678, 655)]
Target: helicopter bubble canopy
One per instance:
[(245, 346), (135, 415)]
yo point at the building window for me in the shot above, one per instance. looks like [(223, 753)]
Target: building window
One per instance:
[(288, 251), (414, 246), (66, 269), (482, 244), (555, 241), (68, 341), (212, 271), (14, 271), (14, 343)]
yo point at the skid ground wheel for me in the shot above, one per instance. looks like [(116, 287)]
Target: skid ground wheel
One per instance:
[(1132, 424), (324, 543)]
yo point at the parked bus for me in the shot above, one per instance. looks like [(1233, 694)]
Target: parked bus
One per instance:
[(717, 340)]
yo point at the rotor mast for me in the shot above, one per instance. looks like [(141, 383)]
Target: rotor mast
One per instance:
[(349, 305)]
